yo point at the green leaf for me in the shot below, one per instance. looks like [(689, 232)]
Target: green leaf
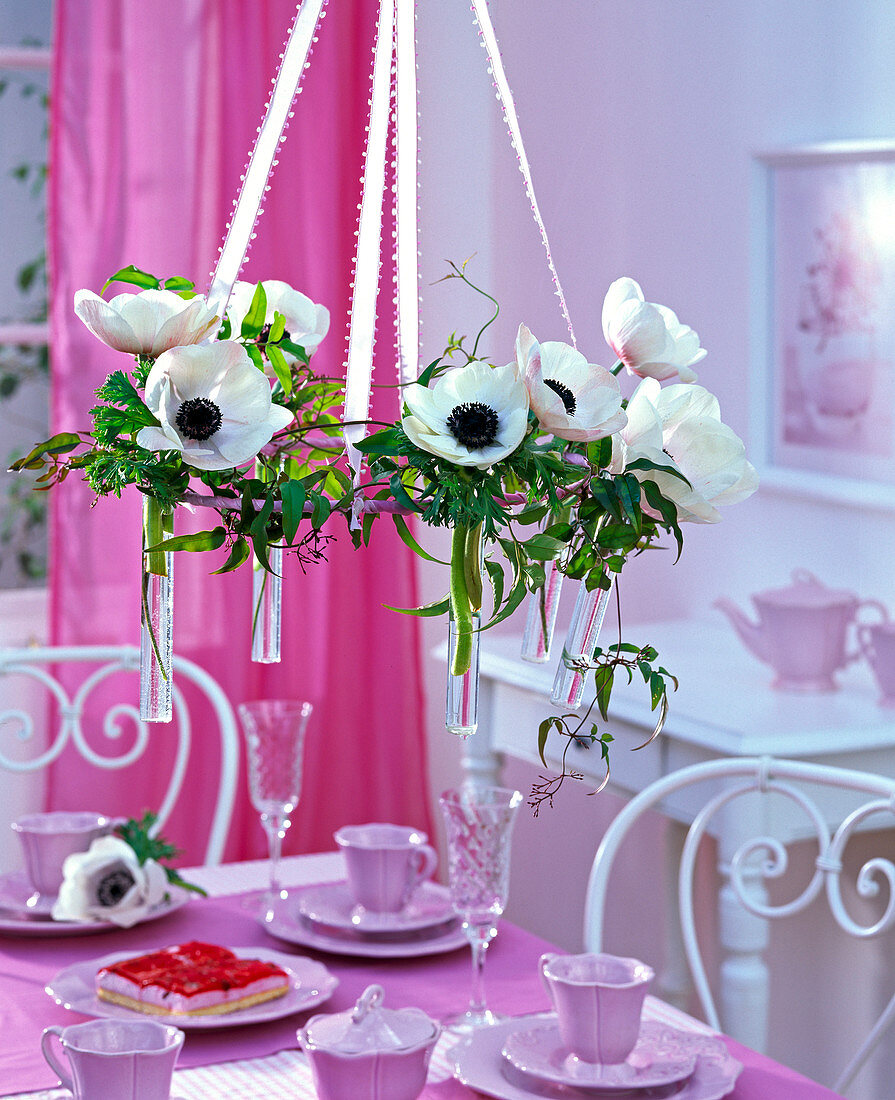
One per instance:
[(385, 442), (657, 689), (280, 367), (57, 444), (179, 284), (277, 329), (294, 496), (198, 542), (238, 555), (133, 275), (407, 538), (320, 512), (544, 732), (426, 375), (543, 548), (399, 492), (253, 322), (604, 677), (429, 610), (496, 577), (255, 355)]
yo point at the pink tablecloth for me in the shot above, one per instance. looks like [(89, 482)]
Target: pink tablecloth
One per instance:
[(439, 985)]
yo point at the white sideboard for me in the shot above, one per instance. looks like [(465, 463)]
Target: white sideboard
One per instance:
[(724, 706)]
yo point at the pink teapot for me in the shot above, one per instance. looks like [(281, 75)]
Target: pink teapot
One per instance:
[(801, 631)]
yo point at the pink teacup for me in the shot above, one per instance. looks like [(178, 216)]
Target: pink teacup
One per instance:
[(49, 838), (878, 646), (598, 1001), (115, 1059), (385, 864)]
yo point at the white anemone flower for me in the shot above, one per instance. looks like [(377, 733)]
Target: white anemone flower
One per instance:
[(681, 425), (306, 323), (147, 323), (473, 416), (648, 338), (572, 399), (213, 405), (107, 882)]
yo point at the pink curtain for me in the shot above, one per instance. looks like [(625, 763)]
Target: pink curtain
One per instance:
[(154, 109)]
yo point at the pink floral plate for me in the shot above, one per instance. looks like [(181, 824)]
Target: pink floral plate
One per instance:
[(663, 1056), (478, 1062), (331, 904), (17, 919), (285, 922), (310, 984)]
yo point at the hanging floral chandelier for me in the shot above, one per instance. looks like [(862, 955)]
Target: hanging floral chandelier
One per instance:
[(536, 463)]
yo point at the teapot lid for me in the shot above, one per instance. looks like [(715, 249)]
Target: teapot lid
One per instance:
[(806, 591), (368, 1027)]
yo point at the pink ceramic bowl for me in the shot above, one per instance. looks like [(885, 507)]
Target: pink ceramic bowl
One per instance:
[(370, 1053)]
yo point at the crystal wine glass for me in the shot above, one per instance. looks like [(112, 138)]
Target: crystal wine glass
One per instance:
[(274, 735), (479, 823)]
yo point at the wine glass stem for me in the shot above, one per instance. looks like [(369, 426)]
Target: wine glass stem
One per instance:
[(479, 938), (275, 833)]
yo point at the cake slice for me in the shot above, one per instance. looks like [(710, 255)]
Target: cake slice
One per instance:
[(191, 979)]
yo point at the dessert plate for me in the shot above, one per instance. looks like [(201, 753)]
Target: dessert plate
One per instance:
[(18, 919), (331, 904), (287, 923), (479, 1063), (310, 983), (663, 1056)]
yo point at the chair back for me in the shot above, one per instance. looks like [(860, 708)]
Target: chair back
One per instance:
[(763, 856), (43, 666)]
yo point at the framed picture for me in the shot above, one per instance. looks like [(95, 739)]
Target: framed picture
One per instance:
[(824, 286)]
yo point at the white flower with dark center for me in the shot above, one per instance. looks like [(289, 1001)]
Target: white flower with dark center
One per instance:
[(108, 883), (572, 399), (213, 405), (473, 416), (681, 426), (306, 323), (147, 323), (648, 338)]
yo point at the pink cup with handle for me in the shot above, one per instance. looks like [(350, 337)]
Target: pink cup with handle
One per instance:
[(599, 1001), (385, 864), (878, 646), (115, 1059), (49, 838)]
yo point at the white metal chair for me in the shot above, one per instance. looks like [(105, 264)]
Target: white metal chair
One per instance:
[(41, 666), (761, 855)]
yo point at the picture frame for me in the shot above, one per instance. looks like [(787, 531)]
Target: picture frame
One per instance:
[(824, 306)]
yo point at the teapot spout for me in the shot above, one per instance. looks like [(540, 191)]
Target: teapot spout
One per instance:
[(750, 633)]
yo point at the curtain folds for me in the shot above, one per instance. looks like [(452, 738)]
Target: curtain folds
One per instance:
[(154, 108)]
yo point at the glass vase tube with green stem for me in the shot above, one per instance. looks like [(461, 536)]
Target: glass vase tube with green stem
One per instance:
[(581, 641), (461, 704), (267, 606), (156, 619), (267, 595)]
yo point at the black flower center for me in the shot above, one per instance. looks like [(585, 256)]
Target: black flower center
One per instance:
[(565, 394), (113, 886), (199, 418), (473, 424)]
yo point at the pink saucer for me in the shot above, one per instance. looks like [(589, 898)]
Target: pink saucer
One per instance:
[(662, 1056), (331, 904)]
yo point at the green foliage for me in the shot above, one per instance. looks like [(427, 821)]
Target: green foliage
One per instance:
[(146, 845)]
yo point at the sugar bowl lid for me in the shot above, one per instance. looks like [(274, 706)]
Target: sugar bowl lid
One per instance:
[(369, 1028)]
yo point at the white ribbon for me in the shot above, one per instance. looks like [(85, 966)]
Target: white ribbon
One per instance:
[(362, 322), (407, 303), (489, 41), (247, 208)]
